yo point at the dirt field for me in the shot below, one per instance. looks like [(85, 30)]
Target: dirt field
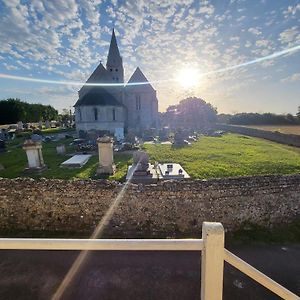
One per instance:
[(279, 128)]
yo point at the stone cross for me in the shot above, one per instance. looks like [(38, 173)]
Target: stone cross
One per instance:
[(34, 155), (106, 156)]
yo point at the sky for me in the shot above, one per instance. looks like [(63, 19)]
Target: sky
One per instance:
[(66, 40)]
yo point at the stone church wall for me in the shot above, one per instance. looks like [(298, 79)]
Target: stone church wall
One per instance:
[(166, 209), (288, 139)]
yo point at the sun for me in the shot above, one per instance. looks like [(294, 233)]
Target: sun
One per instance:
[(188, 77)]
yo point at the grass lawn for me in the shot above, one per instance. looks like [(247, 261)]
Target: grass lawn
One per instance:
[(210, 157), (229, 155), (15, 161)]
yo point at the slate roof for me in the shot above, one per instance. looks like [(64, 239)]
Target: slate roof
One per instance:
[(98, 96), (138, 76)]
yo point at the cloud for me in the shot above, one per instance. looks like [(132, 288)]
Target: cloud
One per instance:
[(292, 78)]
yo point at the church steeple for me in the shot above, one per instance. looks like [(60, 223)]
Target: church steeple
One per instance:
[(114, 64)]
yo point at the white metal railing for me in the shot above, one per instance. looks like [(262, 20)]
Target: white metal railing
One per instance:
[(212, 262)]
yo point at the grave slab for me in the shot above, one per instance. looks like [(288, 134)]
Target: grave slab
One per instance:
[(76, 161)]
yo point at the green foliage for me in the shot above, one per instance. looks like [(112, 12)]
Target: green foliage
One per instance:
[(229, 155), (14, 110), (254, 234), (191, 113), (260, 119)]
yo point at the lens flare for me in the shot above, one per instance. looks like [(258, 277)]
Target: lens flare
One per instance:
[(75, 268), (188, 77), (222, 70)]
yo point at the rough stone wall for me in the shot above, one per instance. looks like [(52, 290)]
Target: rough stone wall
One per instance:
[(288, 139), (166, 209)]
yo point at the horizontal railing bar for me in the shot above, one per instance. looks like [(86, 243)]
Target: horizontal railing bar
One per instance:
[(258, 276), (102, 244)]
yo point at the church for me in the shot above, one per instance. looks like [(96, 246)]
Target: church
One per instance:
[(117, 107)]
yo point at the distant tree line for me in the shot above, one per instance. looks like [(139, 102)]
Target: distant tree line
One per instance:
[(191, 113), (259, 119), (15, 110)]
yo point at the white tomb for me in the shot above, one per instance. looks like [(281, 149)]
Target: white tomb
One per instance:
[(34, 155), (76, 161), (172, 171), (106, 156)]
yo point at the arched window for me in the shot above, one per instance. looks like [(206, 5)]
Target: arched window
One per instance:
[(114, 114), (96, 114)]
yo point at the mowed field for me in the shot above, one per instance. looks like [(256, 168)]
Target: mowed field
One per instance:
[(209, 157), (279, 128), (15, 161), (229, 155)]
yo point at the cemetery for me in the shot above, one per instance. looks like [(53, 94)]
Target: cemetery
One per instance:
[(215, 155)]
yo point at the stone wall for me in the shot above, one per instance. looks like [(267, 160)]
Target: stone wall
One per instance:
[(288, 139), (166, 209)]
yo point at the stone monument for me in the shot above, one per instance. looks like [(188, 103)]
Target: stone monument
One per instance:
[(142, 171), (2, 146), (34, 155), (141, 163), (61, 149), (47, 124), (40, 125), (20, 125), (106, 156)]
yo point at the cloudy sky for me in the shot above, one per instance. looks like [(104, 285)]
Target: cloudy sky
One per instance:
[(66, 40)]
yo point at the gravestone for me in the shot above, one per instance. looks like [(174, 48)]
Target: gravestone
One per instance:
[(2, 146), (20, 125), (142, 171), (61, 149), (40, 125), (34, 155), (47, 124), (76, 161), (106, 156)]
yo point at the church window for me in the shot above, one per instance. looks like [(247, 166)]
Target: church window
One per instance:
[(114, 114), (117, 78), (96, 114), (113, 78), (110, 70), (138, 102), (117, 70)]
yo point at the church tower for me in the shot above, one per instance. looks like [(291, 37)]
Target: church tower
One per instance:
[(114, 65)]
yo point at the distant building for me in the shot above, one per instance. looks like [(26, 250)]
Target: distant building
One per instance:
[(116, 108)]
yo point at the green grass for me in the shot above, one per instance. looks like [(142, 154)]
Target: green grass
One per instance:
[(15, 161), (56, 130), (255, 234), (210, 157), (229, 155)]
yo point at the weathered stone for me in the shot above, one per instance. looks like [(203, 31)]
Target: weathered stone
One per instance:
[(165, 209)]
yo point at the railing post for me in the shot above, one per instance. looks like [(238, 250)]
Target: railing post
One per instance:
[(212, 261)]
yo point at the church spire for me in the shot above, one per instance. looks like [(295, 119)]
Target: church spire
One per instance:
[(114, 64)]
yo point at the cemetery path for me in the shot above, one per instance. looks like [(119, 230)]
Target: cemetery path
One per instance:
[(142, 275)]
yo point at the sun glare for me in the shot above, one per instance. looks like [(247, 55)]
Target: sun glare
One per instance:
[(188, 77)]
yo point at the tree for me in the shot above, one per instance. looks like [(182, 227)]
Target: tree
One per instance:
[(192, 114), (14, 110)]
